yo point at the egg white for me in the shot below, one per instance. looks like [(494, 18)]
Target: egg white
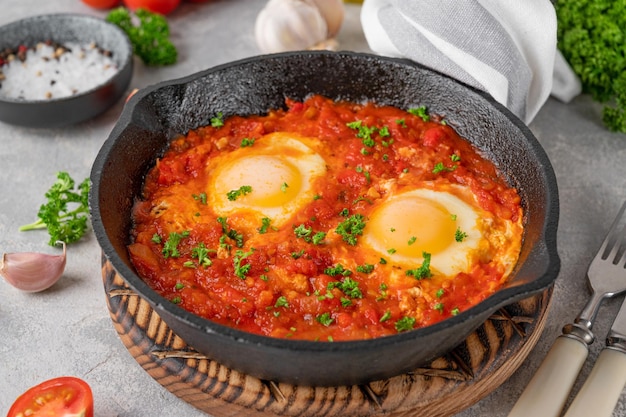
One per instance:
[(278, 171), (404, 226)]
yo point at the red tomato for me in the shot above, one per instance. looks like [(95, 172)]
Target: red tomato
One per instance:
[(102, 4), (61, 397), (156, 6)]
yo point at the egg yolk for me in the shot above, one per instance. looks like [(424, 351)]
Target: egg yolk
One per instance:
[(272, 182), (412, 225)]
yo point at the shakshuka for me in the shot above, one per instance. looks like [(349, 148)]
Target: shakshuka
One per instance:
[(326, 220)]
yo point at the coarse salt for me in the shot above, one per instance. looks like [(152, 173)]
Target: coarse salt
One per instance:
[(52, 71)]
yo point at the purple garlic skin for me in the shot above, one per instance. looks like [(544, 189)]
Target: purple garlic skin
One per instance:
[(32, 271)]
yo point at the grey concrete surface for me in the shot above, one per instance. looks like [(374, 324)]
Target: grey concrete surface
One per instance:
[(67, 330)]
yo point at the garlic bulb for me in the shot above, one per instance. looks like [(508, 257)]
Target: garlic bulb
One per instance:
[(290, 25), (31, 271)]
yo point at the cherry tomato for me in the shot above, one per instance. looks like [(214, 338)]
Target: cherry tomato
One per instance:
[(102, 4), (155, 6), (61, 397)]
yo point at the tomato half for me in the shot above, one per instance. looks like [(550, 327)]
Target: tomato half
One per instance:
[(102, 4), (156, 6), (65, 396)]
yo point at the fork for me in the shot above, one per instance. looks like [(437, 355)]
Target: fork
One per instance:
[(549, 388)]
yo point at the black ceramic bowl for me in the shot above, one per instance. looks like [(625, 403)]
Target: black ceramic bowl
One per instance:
[(64, 28), (252, 86)]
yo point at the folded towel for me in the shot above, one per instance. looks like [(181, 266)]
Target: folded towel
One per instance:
[(504, 47)]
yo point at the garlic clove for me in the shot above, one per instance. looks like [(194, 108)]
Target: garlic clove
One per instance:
[(289, 25), (333, 12), (31, 271)]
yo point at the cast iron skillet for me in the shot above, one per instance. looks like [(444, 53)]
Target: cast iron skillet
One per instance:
[(252, 86)]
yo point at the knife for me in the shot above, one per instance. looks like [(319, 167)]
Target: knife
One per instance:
[(603, 387)]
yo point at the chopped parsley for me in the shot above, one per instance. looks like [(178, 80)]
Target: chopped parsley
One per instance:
[(297, 255), (201, 252), (325, 319), (405, 323), (365, 268), (229, 234), (348, 286), (318, 238), (302, 231), (265, 224), (337, 270), (385, 316), (421, 112), (350, 228), (218, 120), (439, 307), (156, 238), (455, 311), (283, 187), (412, 240), (281, 302), (235, 194), (440, 167), (241, 270), (423, 271), (363, 132), (200, 198), (306, 233), (170, 248), (459, 235), (246, 142)]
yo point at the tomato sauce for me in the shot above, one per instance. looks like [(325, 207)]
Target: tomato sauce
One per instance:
[(272, 281)]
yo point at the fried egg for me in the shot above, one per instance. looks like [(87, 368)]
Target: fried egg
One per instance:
[(272, 178), (405, 226)]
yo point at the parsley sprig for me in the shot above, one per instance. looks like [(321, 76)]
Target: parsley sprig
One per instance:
[(66, 213)]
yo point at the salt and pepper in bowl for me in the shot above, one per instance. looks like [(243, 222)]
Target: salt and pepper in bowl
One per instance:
[(61, 69)]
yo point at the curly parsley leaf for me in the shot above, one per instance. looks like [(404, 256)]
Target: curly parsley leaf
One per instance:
[(66, 212), (350, 228), (424, 270), (590, 34)]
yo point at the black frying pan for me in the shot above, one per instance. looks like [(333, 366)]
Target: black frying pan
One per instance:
[(253, 86)]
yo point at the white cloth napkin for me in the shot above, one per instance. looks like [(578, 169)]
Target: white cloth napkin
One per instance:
[(504, 47)]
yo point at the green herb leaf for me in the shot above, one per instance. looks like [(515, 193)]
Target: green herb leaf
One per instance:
[(350, 228), (423, 271), (405, 323), (66, 213), (235, 194), (170, 248)]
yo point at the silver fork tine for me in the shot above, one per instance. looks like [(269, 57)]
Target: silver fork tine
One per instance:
[(614, 234), (622, 245)]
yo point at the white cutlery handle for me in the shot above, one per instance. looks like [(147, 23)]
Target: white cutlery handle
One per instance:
[(603, 386), (549, 388)]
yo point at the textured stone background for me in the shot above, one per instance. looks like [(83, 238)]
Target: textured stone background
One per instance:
[(67, 330)]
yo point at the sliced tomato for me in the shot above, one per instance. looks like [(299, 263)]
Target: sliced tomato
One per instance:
[(102, 4), (155, 6), (65, 396)]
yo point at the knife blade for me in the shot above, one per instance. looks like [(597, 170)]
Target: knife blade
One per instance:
[(603, 387)]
